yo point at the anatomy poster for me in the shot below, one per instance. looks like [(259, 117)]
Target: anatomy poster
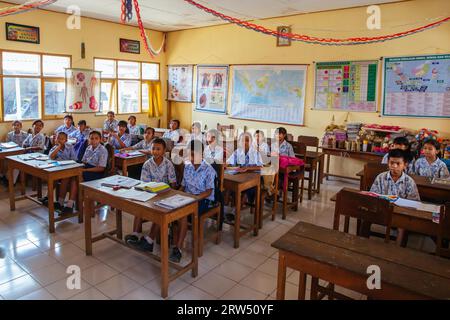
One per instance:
[(180, 83), (82, 91), (212, 88)]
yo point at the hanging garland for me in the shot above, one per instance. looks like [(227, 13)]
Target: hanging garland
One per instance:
[(312, 39), (127, 15), (27, 6)]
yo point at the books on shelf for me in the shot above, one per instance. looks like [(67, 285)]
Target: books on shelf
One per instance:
[(8, 145), (175, 201), (120, 181), (153, 187)]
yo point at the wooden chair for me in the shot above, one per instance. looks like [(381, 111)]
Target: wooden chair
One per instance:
[(442, 248), (371, 171), (310, 141), (274, 196), (110, 170), (353, 204), (214, 213), (224, 128), (300, 152), (289, 137)]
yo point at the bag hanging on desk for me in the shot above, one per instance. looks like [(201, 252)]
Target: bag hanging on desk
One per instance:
[(286, 161)]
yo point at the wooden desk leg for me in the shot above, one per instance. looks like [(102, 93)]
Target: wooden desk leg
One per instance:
[(321, 165), (257, 216), (301, 286), (39, 188), (164, 259), (88, 210), (125, 168), (311, 182), (281, 282), (328, 167), (237, 219), (80, 199), (12, 195), (51, 206), (295, 189), (22, 183), (119, 223), (314, 287), (195, 243)]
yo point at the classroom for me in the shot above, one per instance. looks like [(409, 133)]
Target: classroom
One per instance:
[(224, 150)]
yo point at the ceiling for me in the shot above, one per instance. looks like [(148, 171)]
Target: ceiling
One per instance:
[(170, 15)]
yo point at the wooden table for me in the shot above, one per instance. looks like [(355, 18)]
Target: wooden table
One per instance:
[(51, 175), (364, 156), (237, 184), (147, 211), (431, 192), (343, 259), (410, 219), (123, 163)]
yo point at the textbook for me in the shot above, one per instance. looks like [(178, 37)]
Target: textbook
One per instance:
[(51, 164), (34, 156), (174, 202), (131, 154), (153, 187), (120, 181), (8, 145)]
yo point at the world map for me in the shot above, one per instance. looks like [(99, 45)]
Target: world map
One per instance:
[(274, 93)]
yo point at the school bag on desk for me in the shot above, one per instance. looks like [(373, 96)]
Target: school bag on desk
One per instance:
[(285, 161)]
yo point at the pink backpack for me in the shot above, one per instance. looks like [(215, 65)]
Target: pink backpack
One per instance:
[(286, 161)]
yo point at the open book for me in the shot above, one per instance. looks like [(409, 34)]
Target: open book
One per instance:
[(8, 145), (120, 181), (174, 202), (51, 164), (154, 187)]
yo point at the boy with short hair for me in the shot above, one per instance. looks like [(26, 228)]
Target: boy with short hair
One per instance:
[(213, 151), (430, 165), (17, 135)]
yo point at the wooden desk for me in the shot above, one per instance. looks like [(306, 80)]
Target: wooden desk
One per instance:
[(342, 259), (147, 211), (6, 153), (365, 156), (430, 192), (123, 163), (239, 183), (51, 175)]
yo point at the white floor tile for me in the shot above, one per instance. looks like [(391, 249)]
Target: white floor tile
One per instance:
[(117, 286)]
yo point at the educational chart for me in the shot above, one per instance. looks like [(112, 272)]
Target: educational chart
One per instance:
[(417, 86), (82, 90), (180, 83), (273, 93), (346, 85), (212, 88)]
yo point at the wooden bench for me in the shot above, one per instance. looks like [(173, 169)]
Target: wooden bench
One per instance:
[(343, 259)]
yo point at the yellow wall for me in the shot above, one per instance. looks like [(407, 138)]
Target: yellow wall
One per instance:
[(101, 39), (230, 44)]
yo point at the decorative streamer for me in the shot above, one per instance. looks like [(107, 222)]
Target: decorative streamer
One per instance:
[(27, 6), (312, 39)]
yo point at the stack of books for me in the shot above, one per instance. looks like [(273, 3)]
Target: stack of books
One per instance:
[(153, 187), (8, 145), (353, 130)]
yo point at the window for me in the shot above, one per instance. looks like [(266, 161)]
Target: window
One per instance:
[(125, 89), (23, 77)]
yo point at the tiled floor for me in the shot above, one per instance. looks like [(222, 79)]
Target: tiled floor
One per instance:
[(36, 261)]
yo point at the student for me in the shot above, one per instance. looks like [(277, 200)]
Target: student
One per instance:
[(16, 135), (260, 145), (145, 145), (196, 132), (213, 151), (430, 165), (198, 179), (282, 148), (174, 132), (157, 169), (122, 138), (95, 158), (133, 129), (396, 182), (67, 127), (401, 143), (245, 156), (110, 124), (82, 132), (35, 142), (64, 151)]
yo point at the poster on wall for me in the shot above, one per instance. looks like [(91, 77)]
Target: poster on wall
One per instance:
[(130, 46), (22, 33), (212, 89), (346, 86), (417, 86), (180, 83), (269, 93), (82, 91)]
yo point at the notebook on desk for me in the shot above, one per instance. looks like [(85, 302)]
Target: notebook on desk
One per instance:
[(120, 181), (174, 202), (8, 145)]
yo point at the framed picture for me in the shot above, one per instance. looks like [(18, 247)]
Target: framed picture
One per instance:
[(82, 91), (130, 46), (22, 33), (180, 83), (212, 89), (283, 42)]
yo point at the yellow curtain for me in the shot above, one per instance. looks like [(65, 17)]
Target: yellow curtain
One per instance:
[(154, 99)]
